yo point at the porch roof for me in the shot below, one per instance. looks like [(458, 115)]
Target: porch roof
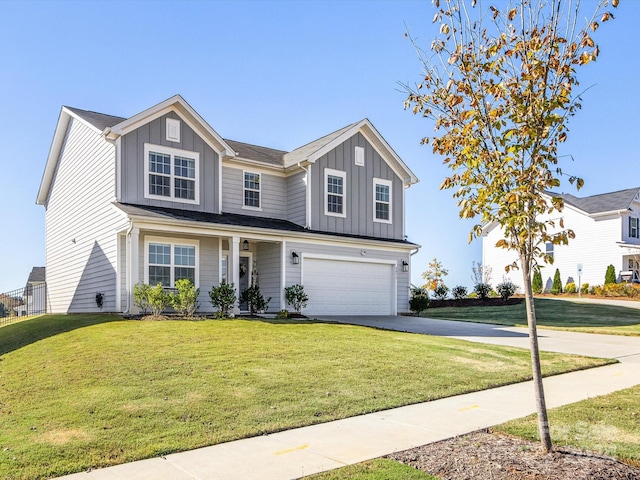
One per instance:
[(234, 219)]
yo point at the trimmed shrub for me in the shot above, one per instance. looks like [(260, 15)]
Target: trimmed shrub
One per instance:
[(282, 315), (441, 291), (570, 288), (223, 297), (459, 292), (158, 299), (255, 300), (556, 288), (141, 296), (482, 290), (296, 297), (185, 299), (536, 282), (610, 276), (419, 300), (584, 288), (506, 289)]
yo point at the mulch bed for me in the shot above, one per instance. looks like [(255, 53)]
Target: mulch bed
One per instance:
[(475, 302), (483, 455)]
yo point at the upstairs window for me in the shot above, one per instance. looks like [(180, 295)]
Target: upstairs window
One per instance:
[(171, 174), (381, 200), (334, 181), (549, 249), (252, 190), (634, 231), (168, 261)]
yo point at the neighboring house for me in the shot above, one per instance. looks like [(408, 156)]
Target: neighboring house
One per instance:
[(34, 294), (607, 230), (161, 196)]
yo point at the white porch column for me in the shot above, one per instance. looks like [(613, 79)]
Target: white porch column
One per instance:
[(134, 272), (233, 268)]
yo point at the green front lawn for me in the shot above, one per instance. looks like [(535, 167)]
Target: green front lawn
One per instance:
[(378, 469), (90, 391), (565, 315)]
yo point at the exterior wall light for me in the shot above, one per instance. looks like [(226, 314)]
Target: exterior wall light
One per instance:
[(245, 246), (405, 266), (295, 258)]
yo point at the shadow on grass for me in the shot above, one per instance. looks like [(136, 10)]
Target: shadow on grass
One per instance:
[(26, 332)]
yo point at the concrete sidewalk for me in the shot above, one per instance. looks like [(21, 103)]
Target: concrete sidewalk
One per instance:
[(294, 453)]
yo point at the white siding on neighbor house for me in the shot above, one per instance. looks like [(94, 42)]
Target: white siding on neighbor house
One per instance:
[(595, 247), (80, 224), (294, 273), (273, 193)]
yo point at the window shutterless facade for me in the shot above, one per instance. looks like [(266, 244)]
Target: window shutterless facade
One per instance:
[(634, 230), (334, 192), (251, 190), (171, 174), (549, 249), (382, 200), (168, 260)]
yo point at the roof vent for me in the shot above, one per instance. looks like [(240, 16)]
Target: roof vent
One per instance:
[(173, 130)]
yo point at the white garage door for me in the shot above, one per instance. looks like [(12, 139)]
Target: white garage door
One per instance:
[(338, 287)]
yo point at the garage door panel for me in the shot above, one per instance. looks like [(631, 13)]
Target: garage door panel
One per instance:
[(339, 287)]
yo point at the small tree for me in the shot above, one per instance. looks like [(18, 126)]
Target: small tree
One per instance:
[(185, 300), (483, 290), (296, 297), (459, 292), (223, 298), (434, 275), (441, 292), (480, 273), (158, 299), (610, 275), (556, 287), (255, 300), (419, 300), (536, 283)]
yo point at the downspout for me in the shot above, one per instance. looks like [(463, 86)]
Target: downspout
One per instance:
[(128, 267)]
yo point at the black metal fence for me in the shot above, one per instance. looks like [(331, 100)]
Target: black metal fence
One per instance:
[(24, 302)]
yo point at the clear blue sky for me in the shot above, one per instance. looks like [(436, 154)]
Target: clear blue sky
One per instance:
[(277, 74)]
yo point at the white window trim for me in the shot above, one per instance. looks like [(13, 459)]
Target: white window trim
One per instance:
[(637, 227), (173, 242), (388, 183), (244, 189), (343, 175), (173, 152), (358, 156)]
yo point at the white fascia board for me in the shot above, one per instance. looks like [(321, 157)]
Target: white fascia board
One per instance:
[(59, 137), (186, 112)]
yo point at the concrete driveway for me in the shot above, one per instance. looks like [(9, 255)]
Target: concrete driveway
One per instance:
[(625, 349)]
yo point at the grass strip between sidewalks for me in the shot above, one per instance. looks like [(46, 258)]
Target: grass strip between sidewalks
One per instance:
[(79, 392)]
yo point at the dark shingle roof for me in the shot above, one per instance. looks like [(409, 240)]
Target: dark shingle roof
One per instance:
[(37, 275), (235, 219), (98, 120), (604, 202), (257, 153)]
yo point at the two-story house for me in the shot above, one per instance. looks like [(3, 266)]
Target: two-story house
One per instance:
[(161, 196), (607, 232)]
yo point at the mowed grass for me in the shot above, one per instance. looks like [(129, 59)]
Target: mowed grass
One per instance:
[(377, 469), (79, 392), (565, 315), (609, 425)]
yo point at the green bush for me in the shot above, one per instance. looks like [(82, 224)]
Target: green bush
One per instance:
[(158, 299), (610, 276), (255, 300), (570, 287), (482, 290), (584, 288), (419, 300), (296, 297), (506, 289), (185, 299), (223, 298), (459, 292), (536, 282), (141, 296), (556, 288), (282, 315), (441, 291)]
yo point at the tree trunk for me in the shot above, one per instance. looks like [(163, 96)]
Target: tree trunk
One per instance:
[(541, 407)]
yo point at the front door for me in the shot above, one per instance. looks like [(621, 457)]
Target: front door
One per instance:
[(245, 278)]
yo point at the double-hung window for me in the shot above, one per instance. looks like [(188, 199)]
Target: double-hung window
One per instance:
[(382, 200), (334, 183), (171, 174), (549, 249), (169, 260), (251, 190), (634, 230)]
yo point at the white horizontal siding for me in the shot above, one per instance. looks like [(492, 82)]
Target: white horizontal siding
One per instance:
[(80, 225)]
